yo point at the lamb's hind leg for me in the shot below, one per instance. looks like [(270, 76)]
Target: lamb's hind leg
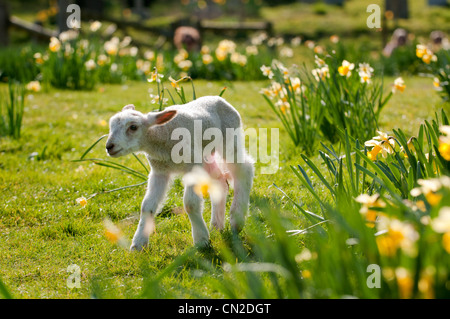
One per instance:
[(218, 207), (193, 204), (242, 174)]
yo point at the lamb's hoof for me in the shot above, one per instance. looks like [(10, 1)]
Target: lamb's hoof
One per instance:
[(203, 245), (138, 245)]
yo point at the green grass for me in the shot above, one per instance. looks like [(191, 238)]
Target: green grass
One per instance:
[(43, 230)]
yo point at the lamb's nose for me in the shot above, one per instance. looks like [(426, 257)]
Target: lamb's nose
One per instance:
[(109, 147)]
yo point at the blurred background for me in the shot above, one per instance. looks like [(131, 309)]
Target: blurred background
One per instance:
[(286, 30)]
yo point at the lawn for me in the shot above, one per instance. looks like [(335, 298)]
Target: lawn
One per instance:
[(44, 230)]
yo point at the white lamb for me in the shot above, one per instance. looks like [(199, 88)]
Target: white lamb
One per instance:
[(151, 134)]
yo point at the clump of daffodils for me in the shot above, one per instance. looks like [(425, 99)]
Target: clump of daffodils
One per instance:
[(424, 53)]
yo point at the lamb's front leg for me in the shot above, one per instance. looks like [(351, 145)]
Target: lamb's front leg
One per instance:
[(156, 191), (193, 204)]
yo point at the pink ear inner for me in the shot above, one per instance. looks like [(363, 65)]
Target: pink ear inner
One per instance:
[(165, 117)]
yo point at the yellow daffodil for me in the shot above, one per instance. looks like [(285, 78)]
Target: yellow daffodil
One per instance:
[(82, 201), (346, 68)]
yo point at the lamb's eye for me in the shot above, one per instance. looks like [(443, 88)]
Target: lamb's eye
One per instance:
[(133, 127)]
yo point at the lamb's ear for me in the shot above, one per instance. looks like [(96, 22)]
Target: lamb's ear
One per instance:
[(128, 107), (164, 117)]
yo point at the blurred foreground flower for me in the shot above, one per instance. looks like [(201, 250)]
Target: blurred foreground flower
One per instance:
[(369, 202), (82, 201), (395, 235), (114, 234), (430, 189), (203, 184)]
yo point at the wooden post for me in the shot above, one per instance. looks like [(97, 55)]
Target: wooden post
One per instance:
[(4, 24), (398, 7)]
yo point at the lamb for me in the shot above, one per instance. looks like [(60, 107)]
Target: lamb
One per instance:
[(152, 134)]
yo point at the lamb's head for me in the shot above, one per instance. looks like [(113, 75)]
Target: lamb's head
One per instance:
[(127, 129)]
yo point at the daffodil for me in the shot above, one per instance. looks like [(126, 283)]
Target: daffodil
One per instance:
[(174, 83), (441, 224), (207, 59), (203, 184), (82, 201), (95, 26), (405, 283), (34, 86), (54, 44), (369, 202), (424, 53), (346, 68), (334, 38), (320, 74), (381, 143), (267, 71), (38, 58), (430, 189), (114, 234), (155, 76), (444, 142), (319, 62), (365, 68), (395, 235), (156, 99), (90, 65), (185, 65), (399, 85), (365, 77)]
